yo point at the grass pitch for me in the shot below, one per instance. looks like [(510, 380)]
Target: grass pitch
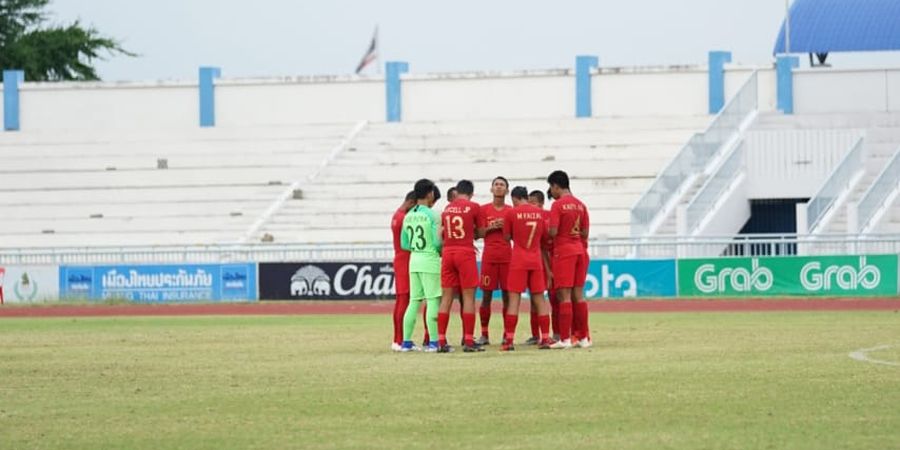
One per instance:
[(708, 380)]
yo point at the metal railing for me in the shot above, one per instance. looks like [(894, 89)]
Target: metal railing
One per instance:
[(874, 198), (744, 245), (840, 180), (629, 247), (705, 199), (694, 157)]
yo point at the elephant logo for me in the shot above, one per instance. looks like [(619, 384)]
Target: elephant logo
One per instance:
[(310, 281)]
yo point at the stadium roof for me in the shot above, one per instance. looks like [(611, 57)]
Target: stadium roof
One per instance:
[(824, 26)]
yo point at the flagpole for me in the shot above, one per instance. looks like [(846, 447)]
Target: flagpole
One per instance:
[(377, 51), (787, 27)]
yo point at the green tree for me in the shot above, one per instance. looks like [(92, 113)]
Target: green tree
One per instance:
[(49, 53)]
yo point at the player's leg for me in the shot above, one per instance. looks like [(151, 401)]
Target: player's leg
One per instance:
[(401, 287), (554, 311), (537, 284), (468, 281), (580, 306), (533, 322), (503, 281), (564, 279), (432, 285), (449, 280), (416, 296), (516, 282), (489, 282), (400, 306)]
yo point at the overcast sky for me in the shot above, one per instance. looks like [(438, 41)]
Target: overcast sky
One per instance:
[(295, 37)]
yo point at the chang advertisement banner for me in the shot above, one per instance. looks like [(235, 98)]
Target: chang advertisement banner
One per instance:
[(29, 284), (174, 283), (612, 278), (326, 281), (773, 276)]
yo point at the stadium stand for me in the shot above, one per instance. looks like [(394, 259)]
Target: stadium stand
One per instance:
[(611, 161), (188, 186)]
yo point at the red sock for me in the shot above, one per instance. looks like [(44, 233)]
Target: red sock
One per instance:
[(534, 322), (577, 321), (554, 312), (425, 321), (565, 320), (584, 325), (485, 314), (399, 310), (469, 328), (544, 324), (510, 321), (443, 322), (462, 320)]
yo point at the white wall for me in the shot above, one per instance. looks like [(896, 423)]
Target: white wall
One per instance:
[(60, 106), (823, 90), (792, 163), (620, 92), (292, 102)]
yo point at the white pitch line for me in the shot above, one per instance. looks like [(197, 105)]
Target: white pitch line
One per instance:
[(860, 355)]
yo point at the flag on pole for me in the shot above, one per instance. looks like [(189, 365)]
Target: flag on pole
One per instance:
[(371, 53)]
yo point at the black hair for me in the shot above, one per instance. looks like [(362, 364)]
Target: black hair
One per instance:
[(501, 178), (538, 195), (549, 195), (411, 196), (451, 192), (559, 178), (519, 192), (437, 192), (423, 187), (465, 187)]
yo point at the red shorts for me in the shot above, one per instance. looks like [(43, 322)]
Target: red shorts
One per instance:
[(521, 279), (401, 276), (569, 271), (459, 270), (494, 275)]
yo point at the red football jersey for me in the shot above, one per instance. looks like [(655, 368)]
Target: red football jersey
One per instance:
[(459, 220), (548, 241), (396, 228), (525, 224), (569, 216), (496, 248)]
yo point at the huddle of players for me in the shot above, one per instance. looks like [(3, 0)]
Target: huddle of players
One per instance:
[(435, 261)]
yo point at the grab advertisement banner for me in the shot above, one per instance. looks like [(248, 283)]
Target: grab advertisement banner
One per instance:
[(863, 275)]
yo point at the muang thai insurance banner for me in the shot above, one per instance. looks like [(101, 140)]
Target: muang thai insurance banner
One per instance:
[(170, 283), (808, 275)]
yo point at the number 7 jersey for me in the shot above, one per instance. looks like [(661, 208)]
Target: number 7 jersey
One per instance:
[(459, 220)]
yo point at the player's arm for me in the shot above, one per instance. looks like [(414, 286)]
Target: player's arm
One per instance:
[(507, 226), (548, 273), (586, 228), (479, 224), (437, 229), (404, 239), (554, 220)]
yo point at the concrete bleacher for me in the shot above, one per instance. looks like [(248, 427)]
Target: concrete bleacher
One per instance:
[(85, 188), (82, 188), (611, 161), (881, 140)]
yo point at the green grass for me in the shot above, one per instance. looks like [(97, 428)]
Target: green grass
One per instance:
[(755, 380)]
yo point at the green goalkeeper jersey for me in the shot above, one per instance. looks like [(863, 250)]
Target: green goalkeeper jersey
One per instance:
[(422, 238)]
